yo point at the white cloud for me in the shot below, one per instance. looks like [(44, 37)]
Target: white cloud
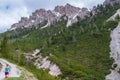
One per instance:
[(7, 19), (12, 10)]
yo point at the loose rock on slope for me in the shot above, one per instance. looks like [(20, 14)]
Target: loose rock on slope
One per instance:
[(115, 51)]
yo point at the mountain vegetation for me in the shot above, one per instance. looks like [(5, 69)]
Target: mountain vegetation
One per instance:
[(81, 50)]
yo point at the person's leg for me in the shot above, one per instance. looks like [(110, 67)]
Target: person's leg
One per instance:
[(6, 74)]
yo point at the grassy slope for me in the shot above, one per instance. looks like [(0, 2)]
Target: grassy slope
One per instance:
[(81, 51)]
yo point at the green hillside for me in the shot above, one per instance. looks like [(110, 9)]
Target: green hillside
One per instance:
[(81, 51)]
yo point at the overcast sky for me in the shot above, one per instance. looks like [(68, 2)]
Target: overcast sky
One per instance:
[(12, 10)]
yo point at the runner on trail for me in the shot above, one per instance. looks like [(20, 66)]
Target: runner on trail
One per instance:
[(7, 70)]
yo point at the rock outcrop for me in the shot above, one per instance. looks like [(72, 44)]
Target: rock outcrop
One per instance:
[(115, 15), (115, 51), (115, 54), (111, 2), (44, 63)]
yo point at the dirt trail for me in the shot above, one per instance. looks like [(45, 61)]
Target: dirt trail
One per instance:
[(15, 71)]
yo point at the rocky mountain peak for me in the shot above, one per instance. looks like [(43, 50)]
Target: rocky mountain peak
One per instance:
[(67, 9), (59, 9), (51, 16), (111, 2), (71, 9), (68, 5), (84, 9)]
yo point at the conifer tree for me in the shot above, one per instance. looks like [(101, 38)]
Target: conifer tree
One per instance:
[(4, 46), (22, 59)]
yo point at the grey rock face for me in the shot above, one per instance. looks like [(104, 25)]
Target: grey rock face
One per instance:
[(115, 54), (115, 50), (111, 2), (42, 15), (94, 10), (44, 63)]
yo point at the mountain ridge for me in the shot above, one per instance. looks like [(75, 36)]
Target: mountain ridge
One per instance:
[(51, 16)]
